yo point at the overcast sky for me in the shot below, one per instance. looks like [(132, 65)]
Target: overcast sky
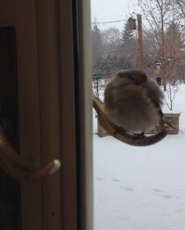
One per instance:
[(110, 11)]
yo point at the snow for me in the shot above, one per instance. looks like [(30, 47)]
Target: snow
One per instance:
[(140, 188)]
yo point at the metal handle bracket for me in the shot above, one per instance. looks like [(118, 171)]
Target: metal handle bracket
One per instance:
[(19, 169)]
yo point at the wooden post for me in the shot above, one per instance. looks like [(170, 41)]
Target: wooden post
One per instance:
[(140, 41)]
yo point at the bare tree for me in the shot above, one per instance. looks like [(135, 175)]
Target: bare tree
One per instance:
[(171, 91), (181, 4), (111, 36), (160, 15), (111, 39)]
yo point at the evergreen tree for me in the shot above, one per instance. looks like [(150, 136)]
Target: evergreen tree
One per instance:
[(174, 42), (96, 45), (127, 33), (129, 46)]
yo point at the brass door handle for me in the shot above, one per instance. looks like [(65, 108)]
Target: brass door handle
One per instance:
[(19, 169)]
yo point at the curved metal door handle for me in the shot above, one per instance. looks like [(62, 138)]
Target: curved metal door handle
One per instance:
[(120, 134), (19, 169)]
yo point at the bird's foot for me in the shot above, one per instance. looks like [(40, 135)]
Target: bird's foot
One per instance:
[(118, 129), (138, 135)]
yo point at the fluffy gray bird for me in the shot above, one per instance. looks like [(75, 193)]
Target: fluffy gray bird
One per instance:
[(133, 102)]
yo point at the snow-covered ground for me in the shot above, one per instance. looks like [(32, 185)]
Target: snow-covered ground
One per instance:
[(141, 188)]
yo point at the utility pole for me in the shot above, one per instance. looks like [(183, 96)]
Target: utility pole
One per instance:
[(140, 41)]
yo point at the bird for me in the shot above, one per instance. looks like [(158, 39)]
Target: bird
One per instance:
[(133, 102)]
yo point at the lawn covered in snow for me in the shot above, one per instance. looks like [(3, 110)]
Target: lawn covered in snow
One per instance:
[(140, 188)]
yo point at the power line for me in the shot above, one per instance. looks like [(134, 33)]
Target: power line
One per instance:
[(106, 22)]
